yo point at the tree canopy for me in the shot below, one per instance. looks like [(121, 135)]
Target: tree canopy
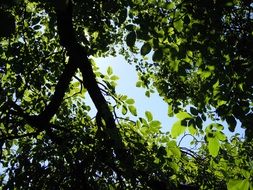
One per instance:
[(196, 54)]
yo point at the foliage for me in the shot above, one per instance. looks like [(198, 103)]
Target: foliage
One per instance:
[(196, 54), (202, 55)]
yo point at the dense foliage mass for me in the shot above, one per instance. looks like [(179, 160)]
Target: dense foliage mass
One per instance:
[(196, 54)]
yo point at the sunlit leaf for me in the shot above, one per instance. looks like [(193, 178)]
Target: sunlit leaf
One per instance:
[(133, 110), (170, 110), (179, 25), (219, 127), (221, 136), (171, 5), (183, 115), (109, 70), (130, 101), (177, 129), (155, 124), (149, 115), (236, 184), (139, 84), (192, 130), (143, 121), (213, 146), (114, 77), (172, 149), (124, 110), (245, 173)]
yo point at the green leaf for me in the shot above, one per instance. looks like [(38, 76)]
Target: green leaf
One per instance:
[(192, 130), (245, 173), (170, 111), (95, 35), (130, 101), (27, 96), (221, 136), (171, 5), (123, 98), (177, 129), (76, 84), (183, 115), (155, 124), (109, 70), (157, 56), (172, 149), (179, 25), (145, 49), (133, 110), (236, 184), (130, 39), (139, 83), (213, 146), (206, 74), (124, 110), (219, 127), (1, 126), (114, 77), (143, 121), (149, 115), (138, 123), (147, 93), (144, 131)]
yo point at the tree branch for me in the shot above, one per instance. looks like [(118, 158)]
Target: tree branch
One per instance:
[(59, 93), (37, 122), (78, 56)]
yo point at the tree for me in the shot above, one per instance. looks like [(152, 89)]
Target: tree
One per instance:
[(201, 57)]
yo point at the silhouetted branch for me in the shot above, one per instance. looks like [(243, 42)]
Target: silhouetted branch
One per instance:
[(60, 90)]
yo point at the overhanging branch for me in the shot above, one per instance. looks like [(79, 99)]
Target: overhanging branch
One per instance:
[(60, 90)]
